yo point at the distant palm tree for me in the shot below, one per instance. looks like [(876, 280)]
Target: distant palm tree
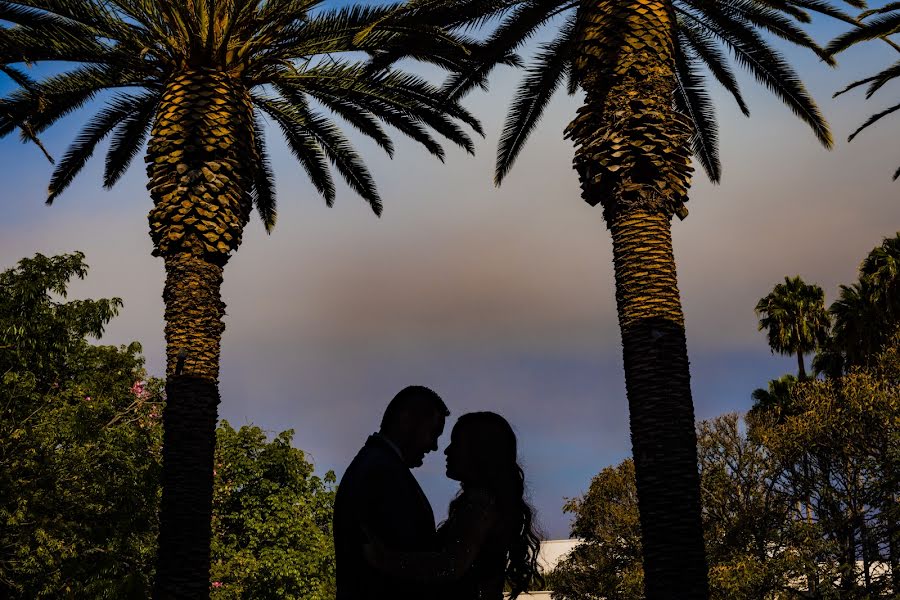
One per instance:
[(886, 23), (646, 113), (867, 312), (796, 320), (881, 268), (776, 398), (196, 76)]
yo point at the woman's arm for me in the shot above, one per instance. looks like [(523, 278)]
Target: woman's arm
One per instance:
[(465, 537)]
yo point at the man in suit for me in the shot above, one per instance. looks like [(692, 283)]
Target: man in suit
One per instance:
[(379, 496)]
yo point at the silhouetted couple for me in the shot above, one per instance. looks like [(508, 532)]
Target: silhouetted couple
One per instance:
[(384, 532)]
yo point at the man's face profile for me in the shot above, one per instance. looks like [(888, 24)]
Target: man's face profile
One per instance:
[(425, 437)]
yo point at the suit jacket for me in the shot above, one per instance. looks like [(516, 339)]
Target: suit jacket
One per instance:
[(379, 490)]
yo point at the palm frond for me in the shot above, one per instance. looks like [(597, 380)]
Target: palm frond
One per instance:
[(693, 100), (51, 42), (82, 148), (18, 76), (872, 30), (465, 14), (874, 119), (541, 80), (9, 123), (889, 7), (51, 99), (767, 66), (343, 156), (96, 15), (854, 85), (397, 115), (883, 78), (401, 92), (518, 27), (263, 180), (827, 9), (700, 43), (745, 12), (302, 145), (128, 138), (362, 122)]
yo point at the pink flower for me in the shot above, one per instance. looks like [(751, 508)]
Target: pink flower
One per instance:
[(138, 389), (87, 398), (217, 584)]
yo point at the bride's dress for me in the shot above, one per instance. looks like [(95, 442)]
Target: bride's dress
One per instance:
[(470, 563)]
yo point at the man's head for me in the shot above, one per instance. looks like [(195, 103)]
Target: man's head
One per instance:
[(414, 420)]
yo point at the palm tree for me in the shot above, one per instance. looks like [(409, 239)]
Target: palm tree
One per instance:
[(196, 77), (646, 112), (795, 317), (776, 398), (866, 313), (881, 268), (886, 23)]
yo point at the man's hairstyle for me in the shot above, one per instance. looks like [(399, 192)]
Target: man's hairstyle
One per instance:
[(415, 399)]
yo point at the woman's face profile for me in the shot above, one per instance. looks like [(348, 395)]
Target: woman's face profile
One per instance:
[(459, 456)]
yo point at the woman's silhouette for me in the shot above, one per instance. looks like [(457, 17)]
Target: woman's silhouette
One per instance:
[(489, 536)]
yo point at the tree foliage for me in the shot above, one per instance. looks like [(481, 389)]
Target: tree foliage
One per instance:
[(799, 500), (79, 443), (272, 533), (755, 550), (865, 314), (80, 440), (840, 453)]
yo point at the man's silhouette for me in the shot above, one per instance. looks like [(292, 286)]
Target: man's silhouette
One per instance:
[(379, 496)]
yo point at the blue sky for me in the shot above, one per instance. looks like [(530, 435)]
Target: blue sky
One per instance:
[(499, 299)]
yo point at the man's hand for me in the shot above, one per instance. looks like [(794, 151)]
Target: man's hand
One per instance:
[(374, 551)]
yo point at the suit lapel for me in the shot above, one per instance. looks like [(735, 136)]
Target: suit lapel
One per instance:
[(411, 479)]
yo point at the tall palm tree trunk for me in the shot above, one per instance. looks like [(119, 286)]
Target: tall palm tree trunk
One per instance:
[(194, 327), (633, 158), (657, 382), (201, 142)]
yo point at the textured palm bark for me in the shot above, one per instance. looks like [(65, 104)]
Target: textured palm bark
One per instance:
[(657, 382), (198, 163), (189, 436), (193, 313), (199, 159), (633, 158)]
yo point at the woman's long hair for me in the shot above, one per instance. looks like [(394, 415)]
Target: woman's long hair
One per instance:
[(492, 439)]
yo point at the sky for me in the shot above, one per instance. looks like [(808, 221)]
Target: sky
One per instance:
[(498, 298)]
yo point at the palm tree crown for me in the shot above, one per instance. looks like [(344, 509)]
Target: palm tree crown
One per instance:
[(882, 269), (705, 33), (795, 318), (776, 398), (886, 22), (281, 56), (867, 312)]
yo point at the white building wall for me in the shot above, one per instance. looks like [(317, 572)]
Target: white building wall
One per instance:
[(552, 552)]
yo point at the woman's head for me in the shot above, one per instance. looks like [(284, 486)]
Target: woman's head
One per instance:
[(483, 453), (482, 448)]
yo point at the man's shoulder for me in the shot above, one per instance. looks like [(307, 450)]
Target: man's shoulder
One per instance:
[(373, 459)]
